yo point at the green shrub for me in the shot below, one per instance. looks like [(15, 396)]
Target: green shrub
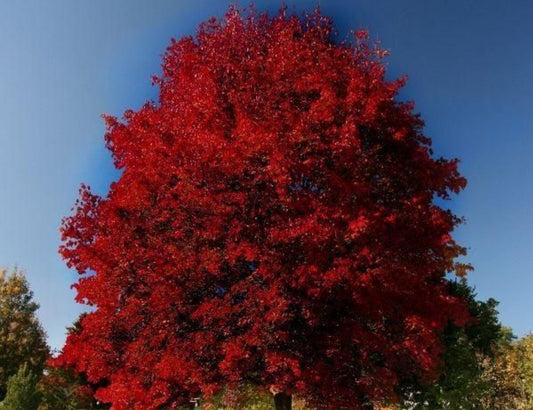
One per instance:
[(21, 391)]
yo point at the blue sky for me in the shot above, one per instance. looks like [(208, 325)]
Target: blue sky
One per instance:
[(64, 63)]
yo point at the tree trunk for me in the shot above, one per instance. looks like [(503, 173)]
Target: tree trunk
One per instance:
[(283, 401)]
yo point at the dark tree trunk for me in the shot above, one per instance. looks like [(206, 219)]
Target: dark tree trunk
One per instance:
[(283, 401)]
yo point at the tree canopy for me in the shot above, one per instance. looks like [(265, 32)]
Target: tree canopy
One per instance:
[(274, 224), (22, 339)]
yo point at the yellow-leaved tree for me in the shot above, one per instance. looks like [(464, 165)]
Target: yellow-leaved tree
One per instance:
[(511, 375)]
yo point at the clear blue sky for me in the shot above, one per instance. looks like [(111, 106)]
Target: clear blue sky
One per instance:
[(63, 63)]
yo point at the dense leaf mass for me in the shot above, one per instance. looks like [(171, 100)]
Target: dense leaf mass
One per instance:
[(273, 224), (22, 339)]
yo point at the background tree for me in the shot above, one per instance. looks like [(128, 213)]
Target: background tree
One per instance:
[(467, 352), (511, 376), (22, 339), (22, 393), (273, 224)]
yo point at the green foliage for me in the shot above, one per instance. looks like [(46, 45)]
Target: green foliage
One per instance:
[(467, 351), (482, 367), (22, 339), (21, 391)]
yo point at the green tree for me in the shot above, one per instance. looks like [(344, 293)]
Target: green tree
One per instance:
[(21, 393), (22, 339), (467, 352)]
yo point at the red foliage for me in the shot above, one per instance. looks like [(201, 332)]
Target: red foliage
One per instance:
[(274, 224)]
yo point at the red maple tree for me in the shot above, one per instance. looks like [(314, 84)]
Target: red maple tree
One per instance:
[(274, 224)]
